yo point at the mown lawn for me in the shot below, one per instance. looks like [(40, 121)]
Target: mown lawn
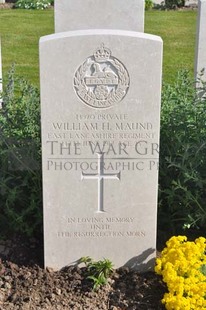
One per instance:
[(178, 31), (20, 31)]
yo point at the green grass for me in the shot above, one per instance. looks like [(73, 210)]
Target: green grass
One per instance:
[(20, 31), (178, 31)]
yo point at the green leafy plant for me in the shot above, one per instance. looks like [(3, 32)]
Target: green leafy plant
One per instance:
[(173, 4), (182, 181), (20, 159), (148, 5), (33, 4), (98, 272), (203, 269), (0, 91)]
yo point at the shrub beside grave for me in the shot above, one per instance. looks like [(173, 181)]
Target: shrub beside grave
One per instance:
[(182, 189), (20, 159), (173, 4), (33, 4), (148, 4)]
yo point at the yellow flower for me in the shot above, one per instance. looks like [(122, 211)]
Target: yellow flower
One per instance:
[(181, 265)]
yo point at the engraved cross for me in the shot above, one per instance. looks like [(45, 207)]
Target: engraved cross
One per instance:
[(100, 176)]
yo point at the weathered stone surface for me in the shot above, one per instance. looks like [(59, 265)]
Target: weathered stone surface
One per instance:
[(200, 57), (100, 101), (99, 14)]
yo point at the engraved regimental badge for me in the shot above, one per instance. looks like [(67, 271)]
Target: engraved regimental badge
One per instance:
[(102, 80)]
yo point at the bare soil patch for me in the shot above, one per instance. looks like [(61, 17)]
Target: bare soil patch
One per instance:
[(25, 285)]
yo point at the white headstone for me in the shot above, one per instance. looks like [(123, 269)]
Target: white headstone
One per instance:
[(99, 14), (191, 3), (158, 2), (100, 103), (200, 58)]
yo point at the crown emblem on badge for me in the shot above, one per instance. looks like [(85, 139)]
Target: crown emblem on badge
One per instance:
[(101, 80), (102, 54)]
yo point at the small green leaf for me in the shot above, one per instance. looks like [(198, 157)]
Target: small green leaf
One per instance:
[(203, 269)]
